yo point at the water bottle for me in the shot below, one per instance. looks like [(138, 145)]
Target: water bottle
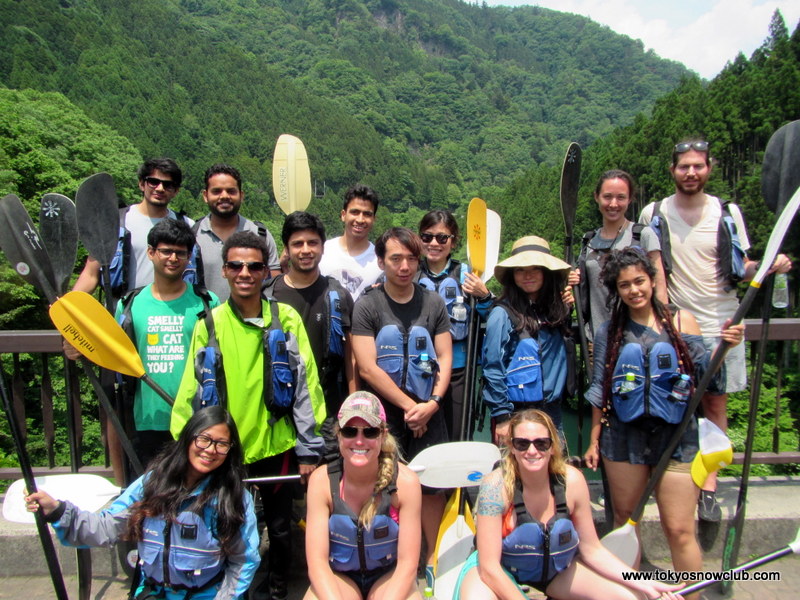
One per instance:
[(682, 389), (425, 364), (628, 384), (459, 316), (428, 593), (780, 291)]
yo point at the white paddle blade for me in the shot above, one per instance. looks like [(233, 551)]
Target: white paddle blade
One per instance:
[(623, 543), (84, 490), (455, 464), (775, 241), (493, 227)]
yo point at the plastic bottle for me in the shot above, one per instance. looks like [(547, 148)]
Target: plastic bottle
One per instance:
[(628, 384), (459, 316), (425, 364), (428, 593), (681, 389), (780, 291)]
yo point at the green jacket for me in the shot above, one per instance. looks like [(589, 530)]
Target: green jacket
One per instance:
[(241, 347)]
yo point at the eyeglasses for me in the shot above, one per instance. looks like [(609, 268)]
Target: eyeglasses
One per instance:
[(154, 182), (440, 237), (238, 265), (368, 432), (522, 444), (167, 252), (700, 146), (202, 441)]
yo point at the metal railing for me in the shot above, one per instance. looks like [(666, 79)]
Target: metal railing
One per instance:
[(46, 343)]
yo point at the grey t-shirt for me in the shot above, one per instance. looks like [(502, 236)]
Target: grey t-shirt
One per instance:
[(211, 251), (592, 289)]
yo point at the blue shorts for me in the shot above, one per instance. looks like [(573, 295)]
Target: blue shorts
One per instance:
[(366, 579), (642, 442), (472, 562)]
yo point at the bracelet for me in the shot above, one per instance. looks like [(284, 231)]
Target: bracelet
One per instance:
[(435, 398)]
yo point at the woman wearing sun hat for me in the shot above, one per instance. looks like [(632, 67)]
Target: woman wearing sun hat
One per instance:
[(524, 352), (355, 547)]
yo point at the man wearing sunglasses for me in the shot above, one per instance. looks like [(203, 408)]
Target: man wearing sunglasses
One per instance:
[(351, 259), (159, 180), (703, 250), (224, 197), (266, 355)]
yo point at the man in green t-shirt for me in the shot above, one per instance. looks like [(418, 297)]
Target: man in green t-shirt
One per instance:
[(159, 318)]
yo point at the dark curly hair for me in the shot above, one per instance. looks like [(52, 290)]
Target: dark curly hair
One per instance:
[(613, 264)]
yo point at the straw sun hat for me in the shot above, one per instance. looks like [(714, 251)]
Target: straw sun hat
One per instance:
[(530, 251)]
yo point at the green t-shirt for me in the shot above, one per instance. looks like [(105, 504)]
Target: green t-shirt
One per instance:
[(162, 334)]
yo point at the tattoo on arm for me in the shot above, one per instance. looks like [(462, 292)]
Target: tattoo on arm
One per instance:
[(490, 499)]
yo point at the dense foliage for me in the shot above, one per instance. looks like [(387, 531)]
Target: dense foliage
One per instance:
[(429, 101)]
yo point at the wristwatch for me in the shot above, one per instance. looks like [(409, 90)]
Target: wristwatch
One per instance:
[(435, 398)]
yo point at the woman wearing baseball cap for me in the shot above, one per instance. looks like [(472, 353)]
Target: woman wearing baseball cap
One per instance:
[(524, 352), (354, 545)]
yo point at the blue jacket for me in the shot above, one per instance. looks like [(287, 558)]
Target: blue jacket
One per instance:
[(83, 528), (498, 348)]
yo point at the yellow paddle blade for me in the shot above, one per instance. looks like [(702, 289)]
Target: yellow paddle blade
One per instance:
[(291, 176), (476, 236), (89, 327)]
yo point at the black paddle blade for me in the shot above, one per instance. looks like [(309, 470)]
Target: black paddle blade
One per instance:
[(24, 247), (58, 225), (98, 216), (570, 182), (780, 176)]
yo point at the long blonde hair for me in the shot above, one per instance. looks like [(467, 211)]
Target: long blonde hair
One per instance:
[(556, 466), (387, 467)]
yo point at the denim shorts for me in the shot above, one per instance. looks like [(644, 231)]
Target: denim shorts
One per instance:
[(643, 441)]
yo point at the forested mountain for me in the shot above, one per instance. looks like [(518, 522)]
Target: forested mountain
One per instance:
[(429, 101)]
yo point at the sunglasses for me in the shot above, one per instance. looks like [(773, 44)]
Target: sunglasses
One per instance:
[(440, 237), (154, 182), (238, 265), (220, 447), (700, 146), (370, 433), (167, 252), (522, 444)]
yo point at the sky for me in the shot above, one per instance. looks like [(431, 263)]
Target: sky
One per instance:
[(702, 34)]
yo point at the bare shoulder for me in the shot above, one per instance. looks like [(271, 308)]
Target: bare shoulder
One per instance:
[(576, 483), (406, 476)]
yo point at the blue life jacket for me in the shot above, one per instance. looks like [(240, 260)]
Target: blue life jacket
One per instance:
[(655, 371), (279, 377), (183, 555), (398, 354), (449, 288), (353, 546), (119, 267), (730, 255), (533, 552), (524, 370)]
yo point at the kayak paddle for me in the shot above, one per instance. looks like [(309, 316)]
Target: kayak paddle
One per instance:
[(783, 150), (291, 175), (95, 334), (623, 541), (455, 464)]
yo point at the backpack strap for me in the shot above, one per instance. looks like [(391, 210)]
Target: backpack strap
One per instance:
[(661, 227), (636, 233)]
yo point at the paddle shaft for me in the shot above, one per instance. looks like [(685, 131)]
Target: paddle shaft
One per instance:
[(756, 562), (733, 537), (469, 372), (296, 476), (30, 483)]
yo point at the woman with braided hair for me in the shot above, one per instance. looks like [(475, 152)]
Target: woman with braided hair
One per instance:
[(355, 548), (644, 349)]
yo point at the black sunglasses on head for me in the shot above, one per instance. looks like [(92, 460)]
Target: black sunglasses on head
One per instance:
[(440, 237), (350, 432), (700, 146), (154, 182), (522, 444), (238, 265)]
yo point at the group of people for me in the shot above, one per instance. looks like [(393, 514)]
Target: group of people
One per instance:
[(353, 358)]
